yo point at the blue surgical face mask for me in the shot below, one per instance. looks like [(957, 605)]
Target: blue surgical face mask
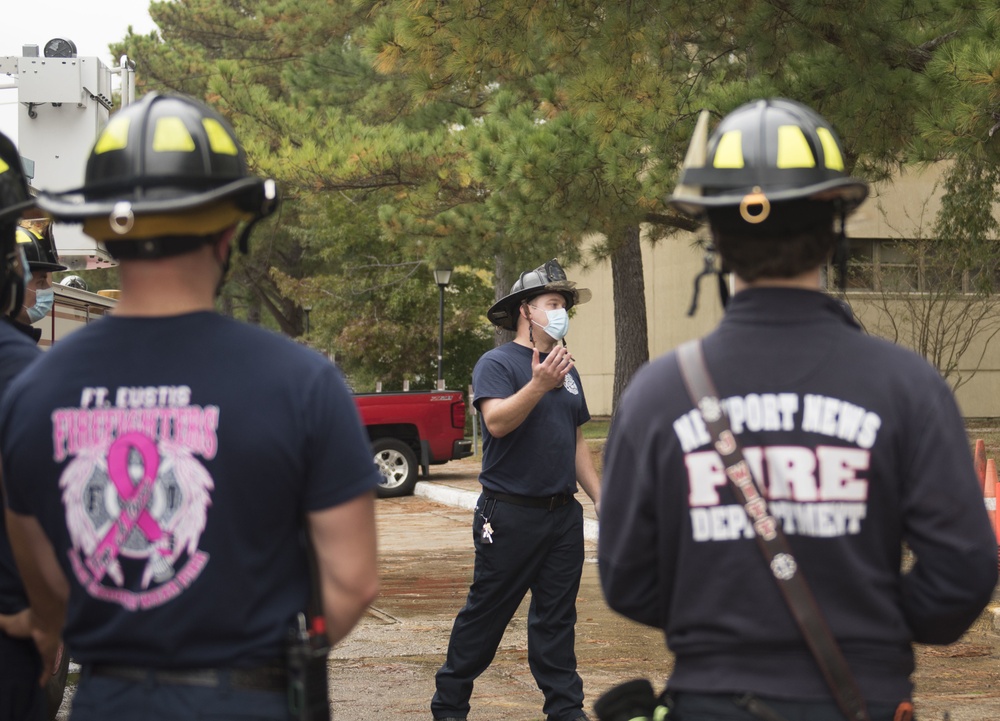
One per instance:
[(558, 324), (43, 304)]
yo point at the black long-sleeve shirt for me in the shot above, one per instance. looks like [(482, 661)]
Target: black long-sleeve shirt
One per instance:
[(18, 657), (861, 448)]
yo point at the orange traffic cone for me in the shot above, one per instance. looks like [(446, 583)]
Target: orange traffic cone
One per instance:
[(979, 459), (990, 493)]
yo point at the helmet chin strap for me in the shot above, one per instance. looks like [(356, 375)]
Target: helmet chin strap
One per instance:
[(224, 263), (709, 269), (224, 266), (531, 326), (244, 239), (12, 286)]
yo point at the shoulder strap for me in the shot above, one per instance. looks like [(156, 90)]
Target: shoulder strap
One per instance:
[(770, 538)]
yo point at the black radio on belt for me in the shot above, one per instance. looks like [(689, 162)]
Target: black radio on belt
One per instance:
[(630, 701), (308, 696), (308, 648)]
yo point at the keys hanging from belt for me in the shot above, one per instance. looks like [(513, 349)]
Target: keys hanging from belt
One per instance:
[(489, 506)]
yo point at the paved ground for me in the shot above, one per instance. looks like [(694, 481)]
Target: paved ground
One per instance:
[(385, 669)]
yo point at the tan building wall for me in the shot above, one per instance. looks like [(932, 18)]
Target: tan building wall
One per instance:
[(669, 270), (894, 210)]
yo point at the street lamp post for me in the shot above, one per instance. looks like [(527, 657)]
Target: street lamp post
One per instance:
[(307, 309), (442, 276)]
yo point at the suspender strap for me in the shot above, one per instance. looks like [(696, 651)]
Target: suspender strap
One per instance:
[(770, 538)]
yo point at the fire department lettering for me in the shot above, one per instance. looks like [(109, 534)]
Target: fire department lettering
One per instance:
[(818, 492), (756, 412)]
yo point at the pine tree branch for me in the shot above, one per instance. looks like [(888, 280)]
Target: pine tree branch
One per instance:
[(917, 58), (913, 58), (672, 220)]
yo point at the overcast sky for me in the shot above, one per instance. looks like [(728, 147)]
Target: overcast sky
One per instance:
[(91, 25)]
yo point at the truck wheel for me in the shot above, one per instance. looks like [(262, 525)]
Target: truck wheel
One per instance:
[(398, 465)]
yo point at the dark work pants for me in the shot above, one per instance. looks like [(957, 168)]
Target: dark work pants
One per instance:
[(722, 707), (110, 699), (22, 699), (535, 550)]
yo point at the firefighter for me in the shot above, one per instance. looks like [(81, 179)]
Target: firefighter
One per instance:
[(34, 236), (21, 697), (528, 530), (170, 468), (857, 443)]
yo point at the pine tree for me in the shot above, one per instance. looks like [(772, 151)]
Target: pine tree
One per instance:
[(496, 135)]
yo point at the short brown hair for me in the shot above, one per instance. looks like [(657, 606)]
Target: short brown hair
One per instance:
[(798, 237)]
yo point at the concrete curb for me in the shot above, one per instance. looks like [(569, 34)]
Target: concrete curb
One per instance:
[(460, 498)]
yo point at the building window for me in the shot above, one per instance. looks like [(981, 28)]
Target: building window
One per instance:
[(877, 265), (860, 264)]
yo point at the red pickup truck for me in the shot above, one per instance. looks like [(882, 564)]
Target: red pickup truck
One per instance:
[(411, 431)]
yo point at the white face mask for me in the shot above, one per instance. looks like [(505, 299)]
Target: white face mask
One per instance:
[(558, 323)]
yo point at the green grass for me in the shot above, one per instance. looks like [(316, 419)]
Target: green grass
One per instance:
[(596, 427), (986, 428)]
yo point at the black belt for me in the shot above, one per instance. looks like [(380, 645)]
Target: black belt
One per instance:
[(262, 678), (549, 502)]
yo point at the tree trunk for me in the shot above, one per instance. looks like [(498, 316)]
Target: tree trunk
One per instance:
[(503, 279), (631, 335), (253, 309)]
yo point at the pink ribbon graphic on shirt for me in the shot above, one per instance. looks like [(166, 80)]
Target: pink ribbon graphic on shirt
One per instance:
[(133, 499)]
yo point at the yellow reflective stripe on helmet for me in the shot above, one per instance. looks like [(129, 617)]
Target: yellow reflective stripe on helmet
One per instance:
[(729, 151), (661, 713), (3, 166), (219, 139), (170, 136), (793, 148), (196, 222), (114, 137), (831, 150)]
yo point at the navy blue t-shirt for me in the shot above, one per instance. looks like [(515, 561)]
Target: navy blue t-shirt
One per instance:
[(18, 657), (538, 458), (207, 439)]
